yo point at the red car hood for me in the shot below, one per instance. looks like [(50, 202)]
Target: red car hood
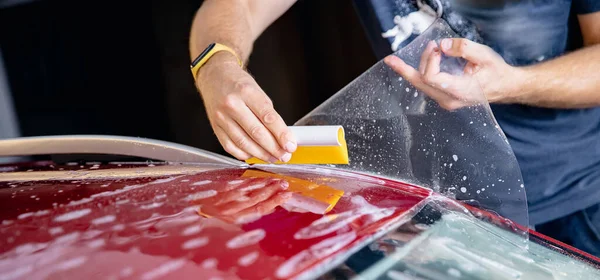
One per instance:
[(186, 222)]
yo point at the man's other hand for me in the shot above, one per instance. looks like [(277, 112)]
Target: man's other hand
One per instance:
[(486, 75)]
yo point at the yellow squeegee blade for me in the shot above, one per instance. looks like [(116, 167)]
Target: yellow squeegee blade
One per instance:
[(316, 154)]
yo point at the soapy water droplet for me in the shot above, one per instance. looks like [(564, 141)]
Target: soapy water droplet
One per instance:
[(246, 239), (72, 263), (248, 259), (55, 230), (455, 157), (67, 238), (96, 243), (464, 178), (235, 182), (73, 215), (210, 263), (151, 206), (163, 269), (248, 218), (201, 195), (104, 220), (195, 243), (31, 214), (252, 187), (191, 230), (162, 181), (28, 248), (118, 227), (201, 183)]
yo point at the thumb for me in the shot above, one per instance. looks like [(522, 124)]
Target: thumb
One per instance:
[(467, 49)]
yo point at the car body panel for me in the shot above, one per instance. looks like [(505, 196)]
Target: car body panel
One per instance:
[(149, 226), (211, 221)]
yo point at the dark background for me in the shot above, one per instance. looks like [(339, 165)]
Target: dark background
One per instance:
[(122, 67)]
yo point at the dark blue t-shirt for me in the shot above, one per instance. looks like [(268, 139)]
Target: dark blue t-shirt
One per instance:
[(558, 150)]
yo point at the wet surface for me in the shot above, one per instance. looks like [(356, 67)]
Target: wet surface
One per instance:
[(459, 246), (222, 224)]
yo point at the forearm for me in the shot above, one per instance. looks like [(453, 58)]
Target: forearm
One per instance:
[(568, 82), (235, 23)]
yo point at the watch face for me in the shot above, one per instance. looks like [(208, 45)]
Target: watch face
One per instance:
[(202, 54)]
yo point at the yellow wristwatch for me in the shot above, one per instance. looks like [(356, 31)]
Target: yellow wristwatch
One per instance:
[(207, 53)]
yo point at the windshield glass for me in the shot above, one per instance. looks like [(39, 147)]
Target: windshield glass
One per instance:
[(395, 131), (459, 246)]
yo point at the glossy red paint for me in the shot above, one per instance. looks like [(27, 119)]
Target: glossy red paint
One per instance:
[(149, 228)]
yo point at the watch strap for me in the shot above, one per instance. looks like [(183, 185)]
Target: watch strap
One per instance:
[(211, 50)]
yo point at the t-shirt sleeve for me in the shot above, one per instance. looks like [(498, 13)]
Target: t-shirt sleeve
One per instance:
[(586, 6)]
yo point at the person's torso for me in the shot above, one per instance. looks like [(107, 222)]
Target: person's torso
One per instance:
[(558, 150)]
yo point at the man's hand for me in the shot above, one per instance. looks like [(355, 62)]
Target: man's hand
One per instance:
[(241, 114), (486, 75)]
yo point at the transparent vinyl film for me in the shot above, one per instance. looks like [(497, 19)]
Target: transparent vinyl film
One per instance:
[(396, 131)]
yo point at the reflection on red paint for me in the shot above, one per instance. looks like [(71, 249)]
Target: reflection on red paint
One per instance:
[(149, 228)]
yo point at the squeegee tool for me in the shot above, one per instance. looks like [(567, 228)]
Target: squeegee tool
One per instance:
[(316, 145)]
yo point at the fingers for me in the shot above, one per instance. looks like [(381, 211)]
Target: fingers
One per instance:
[(413, 77), (432, 67), (467, 49), (425, 56), (431, 81), (262, 107), (239, 139), (454, 88), (229, 145), (259, 133), (237, 105), (399, 66)]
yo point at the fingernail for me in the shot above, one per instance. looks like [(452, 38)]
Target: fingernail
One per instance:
[(446, 44), (272, 160), (291, 146), (286, 157)]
